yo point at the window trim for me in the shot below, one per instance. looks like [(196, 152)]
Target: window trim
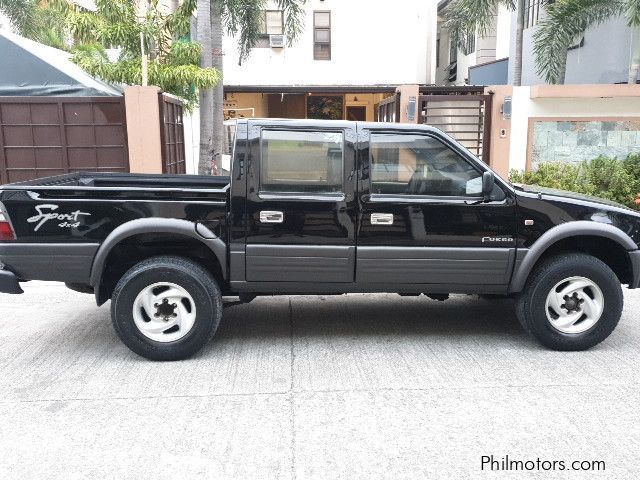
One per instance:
[(314, 35), (409, 198), (297, 195), (532, 10)]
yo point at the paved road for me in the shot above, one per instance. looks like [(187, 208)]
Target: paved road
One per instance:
[(349, 387)]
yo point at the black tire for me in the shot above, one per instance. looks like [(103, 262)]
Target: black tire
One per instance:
[(531, 303), (193, 278)]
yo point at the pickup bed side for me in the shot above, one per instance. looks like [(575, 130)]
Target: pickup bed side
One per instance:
[(80, 228)]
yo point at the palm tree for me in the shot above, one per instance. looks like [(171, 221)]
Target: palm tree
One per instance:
[(34, 19), (567, 20), (22, 14), (243, 20), (465, 18)]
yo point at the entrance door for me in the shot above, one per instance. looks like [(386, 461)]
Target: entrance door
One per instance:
[(301, 206), (356, 113), (423, 219)]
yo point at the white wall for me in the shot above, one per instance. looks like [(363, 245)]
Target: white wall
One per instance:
[(524, 107), (191, 121), (373, 42), (503, 32), (432, 36)]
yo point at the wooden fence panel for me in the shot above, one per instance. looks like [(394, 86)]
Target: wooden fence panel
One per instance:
[(42, 136)]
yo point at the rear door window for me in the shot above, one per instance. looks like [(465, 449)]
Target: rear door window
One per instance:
[(301, 161)]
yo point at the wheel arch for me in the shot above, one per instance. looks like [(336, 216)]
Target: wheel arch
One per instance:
[(175, 230), (577, 236)]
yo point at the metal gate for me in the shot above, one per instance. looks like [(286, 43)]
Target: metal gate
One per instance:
[(42, 136), (388, 110), (172, 134), (467, 118)]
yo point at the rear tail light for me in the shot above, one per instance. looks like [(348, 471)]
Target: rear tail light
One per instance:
[(6, 230)]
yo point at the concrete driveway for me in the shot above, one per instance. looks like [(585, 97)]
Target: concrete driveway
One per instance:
[(348, 387)]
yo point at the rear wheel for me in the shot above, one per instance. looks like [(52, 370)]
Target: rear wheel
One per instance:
[(571, 302), (166, 308)]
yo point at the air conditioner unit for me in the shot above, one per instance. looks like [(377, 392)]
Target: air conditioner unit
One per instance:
[(276, 41)]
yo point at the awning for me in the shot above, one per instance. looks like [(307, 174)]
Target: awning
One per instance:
[(32, 69)]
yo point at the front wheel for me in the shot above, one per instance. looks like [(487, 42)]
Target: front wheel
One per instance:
[(570, 302), (166, 308)]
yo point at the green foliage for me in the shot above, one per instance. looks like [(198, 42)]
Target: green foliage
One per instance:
[(603, 177), (565, 22), (243, 19), (116, 24), (32, 19)]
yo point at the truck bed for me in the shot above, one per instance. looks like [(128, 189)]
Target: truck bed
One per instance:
[(60, 222)]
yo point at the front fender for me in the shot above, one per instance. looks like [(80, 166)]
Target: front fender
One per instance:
[(527, 258)]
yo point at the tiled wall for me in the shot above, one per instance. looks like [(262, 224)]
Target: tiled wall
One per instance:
[(574, 141)]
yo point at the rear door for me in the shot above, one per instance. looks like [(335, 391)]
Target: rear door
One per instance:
[(301, 205), (423, 219)]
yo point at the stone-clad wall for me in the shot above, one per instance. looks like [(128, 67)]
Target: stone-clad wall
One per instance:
[(574, 141)]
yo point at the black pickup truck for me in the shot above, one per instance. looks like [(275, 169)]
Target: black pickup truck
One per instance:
[(321, 207)]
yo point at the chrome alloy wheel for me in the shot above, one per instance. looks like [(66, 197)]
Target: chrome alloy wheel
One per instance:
[(574, 305), (164, 312)]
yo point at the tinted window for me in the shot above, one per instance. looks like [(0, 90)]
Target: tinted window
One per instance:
[(420, 165), (301, 161)]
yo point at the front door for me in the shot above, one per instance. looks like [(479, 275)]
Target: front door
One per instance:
[(356, 113), (301, 205), (422, 216)]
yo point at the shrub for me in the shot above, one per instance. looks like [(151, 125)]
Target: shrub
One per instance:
[(603, 177)]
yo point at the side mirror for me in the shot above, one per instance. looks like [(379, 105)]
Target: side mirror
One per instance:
[(488, 182)]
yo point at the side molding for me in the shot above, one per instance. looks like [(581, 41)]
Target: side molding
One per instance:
[(560, 232), (157, 225)]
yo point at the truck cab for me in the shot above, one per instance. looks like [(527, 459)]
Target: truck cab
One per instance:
[(321, 207), (341, 206)]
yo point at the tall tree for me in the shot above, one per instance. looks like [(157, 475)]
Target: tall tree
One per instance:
[(466, 18), (203, 26), (173, 61), (243, 20), (567, 20)]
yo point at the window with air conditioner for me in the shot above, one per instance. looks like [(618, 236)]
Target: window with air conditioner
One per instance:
[(272, 29)]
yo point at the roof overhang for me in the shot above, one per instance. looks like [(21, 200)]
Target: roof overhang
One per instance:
[(310, 88)]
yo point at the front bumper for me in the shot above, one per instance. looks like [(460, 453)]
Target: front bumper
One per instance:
[(9, 282), (634, 256)]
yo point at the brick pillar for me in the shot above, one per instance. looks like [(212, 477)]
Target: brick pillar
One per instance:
[(500, 131), (407, 93), (143, 129)]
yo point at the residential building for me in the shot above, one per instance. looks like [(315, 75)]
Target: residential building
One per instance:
[(349, 56), (485, 59), (602, 55)]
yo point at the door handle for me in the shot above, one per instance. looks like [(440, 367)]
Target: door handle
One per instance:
[(270, 216), (382, 219)]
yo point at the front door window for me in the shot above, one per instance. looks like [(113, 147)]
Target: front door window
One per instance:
[(404, 164)]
